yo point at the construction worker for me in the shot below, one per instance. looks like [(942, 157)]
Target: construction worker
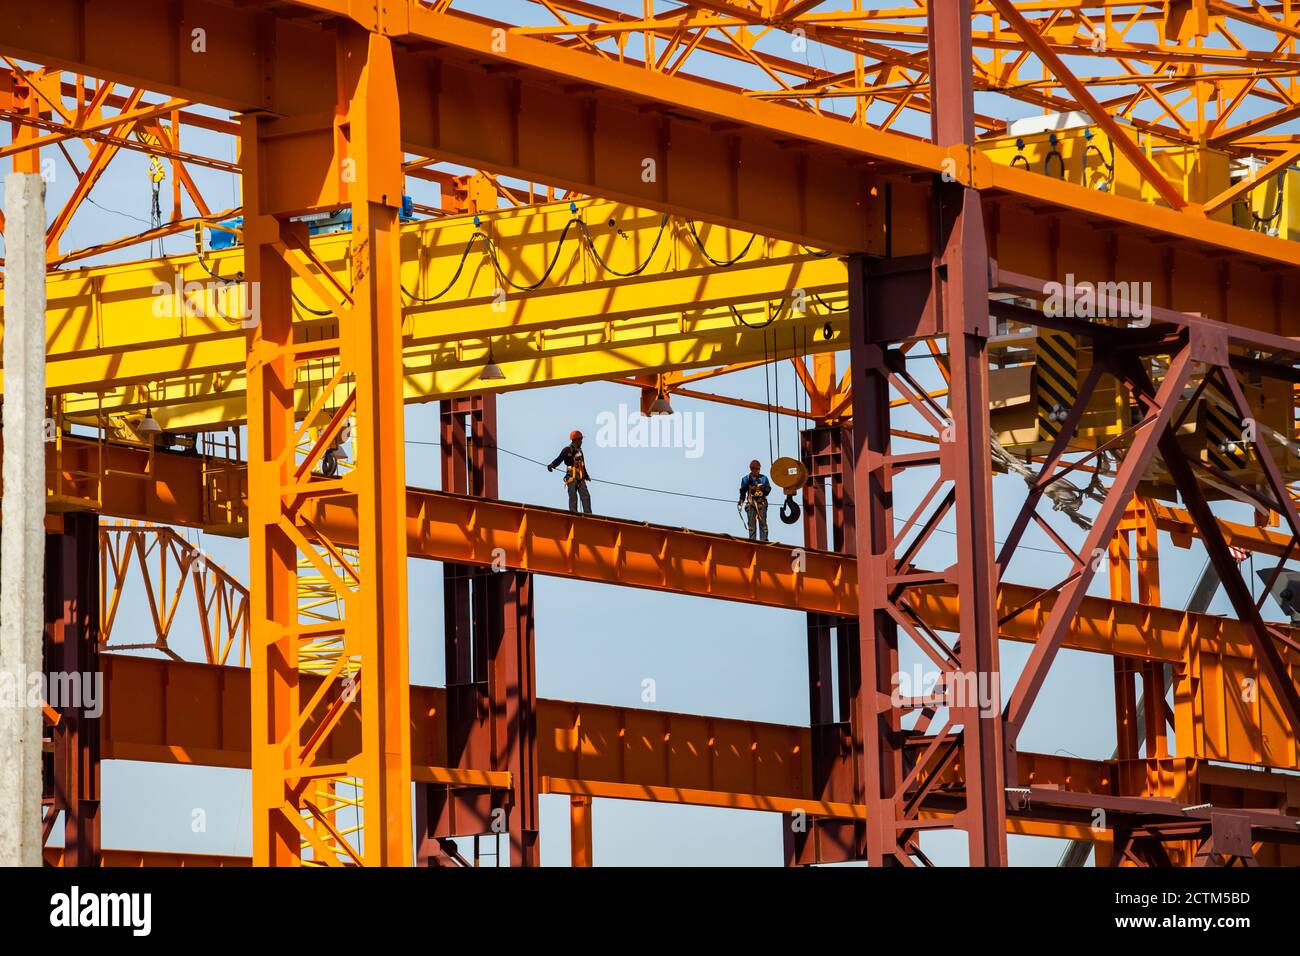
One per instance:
[(576, 476), (754, 489)]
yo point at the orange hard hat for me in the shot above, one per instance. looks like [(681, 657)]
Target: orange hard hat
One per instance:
[(575, 435), (755, 464)]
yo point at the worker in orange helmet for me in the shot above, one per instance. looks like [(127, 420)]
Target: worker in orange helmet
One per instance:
[(754, 489), (576, 475)]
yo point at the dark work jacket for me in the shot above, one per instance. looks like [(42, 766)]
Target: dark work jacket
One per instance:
[(761, 486), (568, 455)]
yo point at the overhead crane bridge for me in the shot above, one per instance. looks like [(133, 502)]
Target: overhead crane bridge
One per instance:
[(1105, 293)]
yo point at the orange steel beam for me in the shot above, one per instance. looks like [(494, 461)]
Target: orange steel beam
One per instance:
[(152, 858), (197, 714), (1247, 183), (146, 485), (899, 75), (182, 712), (1190, 781), (169, 567), (188, 713), (1180, 526), (539, 111), (468, 530), (741, 173), (493, 130), (548, 541)]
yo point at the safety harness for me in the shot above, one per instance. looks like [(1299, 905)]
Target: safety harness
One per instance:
[(754, 491), (578, 470)]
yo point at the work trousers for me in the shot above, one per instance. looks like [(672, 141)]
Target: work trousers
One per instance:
[(578, 490), (756, 512)]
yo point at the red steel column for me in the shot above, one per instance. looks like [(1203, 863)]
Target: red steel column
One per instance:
[(512, 693), (891, 301), (962, 257), (880, 760), (72, 659), (836, 733), (491, 694)]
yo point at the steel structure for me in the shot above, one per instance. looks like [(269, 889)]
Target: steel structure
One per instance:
[(658, 195)]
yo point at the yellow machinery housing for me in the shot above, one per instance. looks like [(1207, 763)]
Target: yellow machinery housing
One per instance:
[(1272, 207), (1040, 372), (1040, 380), (1086, 155)]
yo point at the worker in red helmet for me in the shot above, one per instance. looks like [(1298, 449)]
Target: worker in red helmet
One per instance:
[(576, 475), (754, 489)]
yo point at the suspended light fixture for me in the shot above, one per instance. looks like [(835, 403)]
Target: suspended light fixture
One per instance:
[(491, 371), (148, 425), (661, 405)]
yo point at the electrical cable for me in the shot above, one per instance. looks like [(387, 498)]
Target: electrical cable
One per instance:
[(602, 481), (735, 313), (899, 520), (767, 392), (1065, 495), (117, 212), (807, 396), (1265, 220), (1110, 166), (825, 305), (306, 308), (776, 388), (456, 275), (724, 263), (591, 246), (155, 218), (1047, 164), (503, 275), (239, 277), (221, 280)]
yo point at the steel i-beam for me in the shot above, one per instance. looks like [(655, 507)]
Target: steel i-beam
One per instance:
[(945, 293), (288, 174), (836, 733), (491, 687)]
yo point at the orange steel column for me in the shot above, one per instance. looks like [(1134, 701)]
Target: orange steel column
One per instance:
[(24, 99), (580, 828), (1153, 672), (295, 166), (374, 340), (1125, 668), (272, 564)]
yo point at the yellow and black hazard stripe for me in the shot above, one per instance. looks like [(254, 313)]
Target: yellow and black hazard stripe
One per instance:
[(1225, 445), (156, 172), (1056, 359)]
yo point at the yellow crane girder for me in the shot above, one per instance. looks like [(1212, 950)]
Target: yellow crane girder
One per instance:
[(618, 290)]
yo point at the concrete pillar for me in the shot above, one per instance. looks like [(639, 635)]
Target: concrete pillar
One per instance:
[(22, 544)]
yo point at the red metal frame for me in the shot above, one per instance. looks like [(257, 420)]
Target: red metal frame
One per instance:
[(72, 763), (490, 674)]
